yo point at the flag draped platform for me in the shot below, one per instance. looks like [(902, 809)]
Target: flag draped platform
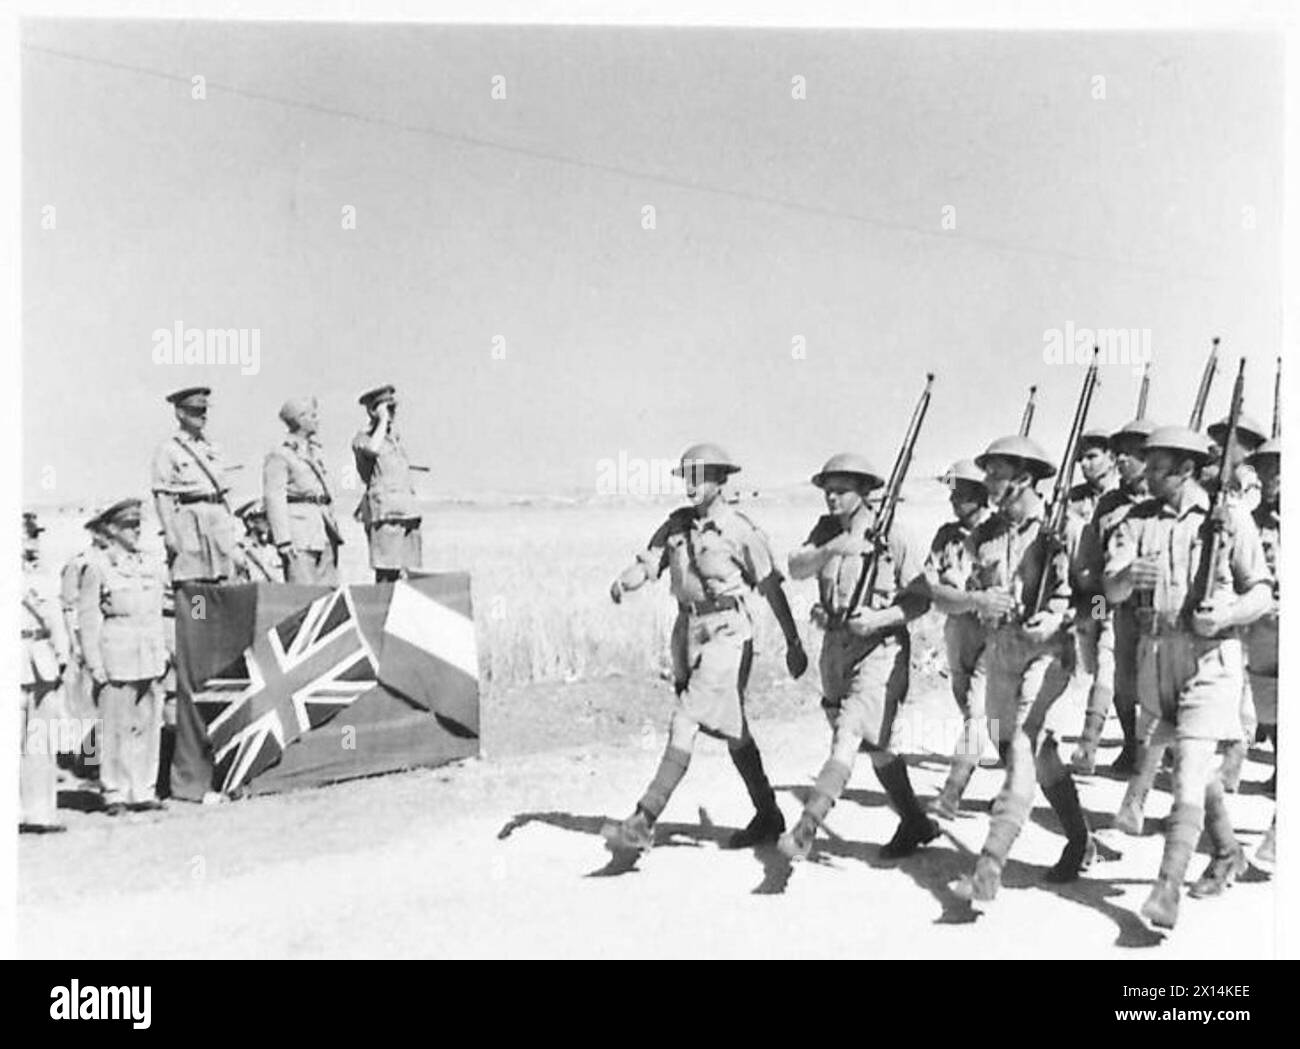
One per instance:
[(283, 686)]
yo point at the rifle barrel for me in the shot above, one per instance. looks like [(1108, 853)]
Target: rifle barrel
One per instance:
[(1277, 401), (1027, 417), (1203, 391)]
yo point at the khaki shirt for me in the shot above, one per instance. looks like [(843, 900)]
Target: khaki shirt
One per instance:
[(119, 612), (295, 489), (949, 561), (1268, 520), (1009, 556), (205, 533), (390, 492), (1174, 536), (722, 555), (900, 570), (176, 472), (45, 641)]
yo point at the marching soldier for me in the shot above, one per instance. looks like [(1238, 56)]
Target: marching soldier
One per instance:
[(1262, 635), (1245, 491), (262, 562), (1097, 463), (388, 508), (947, 568), (1115, 678), (1027, 657), (121, 625), (1189, 660), (299, 505), (715, 557), (45, 657), (189, 489), (865, 652)]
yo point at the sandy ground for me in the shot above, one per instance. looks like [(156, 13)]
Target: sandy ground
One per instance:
[(503, 857)]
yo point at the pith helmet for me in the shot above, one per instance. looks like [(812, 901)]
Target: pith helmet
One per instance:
[(1249, 433), (1179, 439), (1139, 428), (964, 470), (1028, 451), (1273, 446), (706, 454), (849, 463)]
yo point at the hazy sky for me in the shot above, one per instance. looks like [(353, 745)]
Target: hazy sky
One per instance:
[(775, 217)]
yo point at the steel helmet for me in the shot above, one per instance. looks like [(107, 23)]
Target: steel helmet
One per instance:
[(849, 463), (964, 470), (1273, 446), (1139, 428), (1249, 433), (1179, 439), (1016, 447), (1094, 439), (705, 454)]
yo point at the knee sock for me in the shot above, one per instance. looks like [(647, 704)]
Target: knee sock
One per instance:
[(1180, 841), (1218, 823), (831, 781), (898, 785), (672, 767), (1010, 811), (749, 763), (1064, 799)]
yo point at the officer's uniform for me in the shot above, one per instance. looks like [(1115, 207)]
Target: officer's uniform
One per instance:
[(388, 509), (120, 619), (300, 510), (949, 564), (189, 472), (78, 689), (45, 654), (864, 678), (1189, 686)]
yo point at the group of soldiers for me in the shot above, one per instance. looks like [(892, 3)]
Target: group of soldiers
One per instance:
[(104, 648), (1023, 616)]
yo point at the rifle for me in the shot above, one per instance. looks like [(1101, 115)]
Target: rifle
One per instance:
[(1203, 391), (1212, 536), (1058, 507), (1027, 419), (1277, 401), (884, 520), (1144, 391)]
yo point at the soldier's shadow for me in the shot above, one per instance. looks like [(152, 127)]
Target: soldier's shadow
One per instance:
[(668, 835)]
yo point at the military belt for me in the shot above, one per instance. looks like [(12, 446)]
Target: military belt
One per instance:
[(35, 635), (725, 603), (319, 500), (199, 497)]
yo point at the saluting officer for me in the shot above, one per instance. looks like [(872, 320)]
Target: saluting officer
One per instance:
[(299, 505), (1112, 652), (388, 508), (716, 557), (1027, 661), (45, 656), (189, 489), (865, 653), (1189, 659), (262, 562), (947, 570), (1262, 635), (120, 619)]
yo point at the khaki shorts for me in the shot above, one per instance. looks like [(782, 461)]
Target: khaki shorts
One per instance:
[(864, 680), (964, 640), (395, 544), (1194, 684), (1261, 663), (1024, 679), (712, 655)]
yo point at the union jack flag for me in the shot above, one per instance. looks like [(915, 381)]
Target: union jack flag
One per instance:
[(294, 677)]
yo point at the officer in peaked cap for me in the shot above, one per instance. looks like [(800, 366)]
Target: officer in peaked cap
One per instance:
[(189, 488), (1027, 656), (716, 558), (947, 568), (1189, 662), (388, 508), (45, 657), (865, 650), (120, 620)]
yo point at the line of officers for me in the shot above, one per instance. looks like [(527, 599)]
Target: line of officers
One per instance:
[(1114, 609), (98, 658)]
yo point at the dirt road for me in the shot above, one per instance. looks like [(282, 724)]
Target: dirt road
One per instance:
[(503, 857)]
